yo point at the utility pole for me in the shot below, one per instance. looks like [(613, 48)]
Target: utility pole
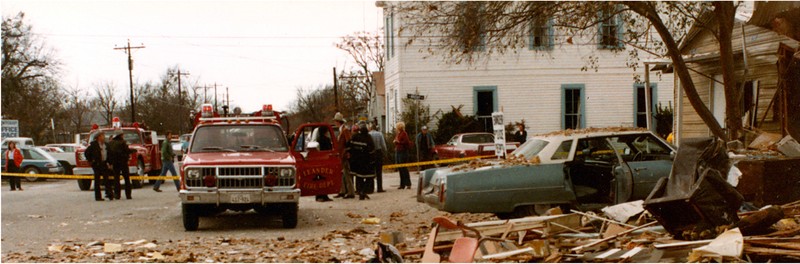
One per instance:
[(215, 97), (335, 91), (180, 99), (130, 75), (227, 97)]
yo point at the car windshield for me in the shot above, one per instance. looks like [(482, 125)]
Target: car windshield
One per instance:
[(531, 148), (227, 138), (130, 136)]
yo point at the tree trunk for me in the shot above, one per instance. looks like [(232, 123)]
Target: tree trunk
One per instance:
[(724, 13), (649, 12)]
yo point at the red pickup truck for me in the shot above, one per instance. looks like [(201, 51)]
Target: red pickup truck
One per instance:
[(469, 145)]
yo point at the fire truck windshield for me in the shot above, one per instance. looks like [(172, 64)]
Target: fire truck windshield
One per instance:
[(130, 136), (238, 138)]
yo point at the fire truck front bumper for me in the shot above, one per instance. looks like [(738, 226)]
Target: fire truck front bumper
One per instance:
[(239, 196)]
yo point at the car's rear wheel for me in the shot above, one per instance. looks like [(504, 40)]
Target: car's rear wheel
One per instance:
[(139, 172), (33, 171), (289, 215), (84, 184), (191, 218)]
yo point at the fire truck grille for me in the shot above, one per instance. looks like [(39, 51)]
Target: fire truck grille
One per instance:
[(242, 177), (239, 183)]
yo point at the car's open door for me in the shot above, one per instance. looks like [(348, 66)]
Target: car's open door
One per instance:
[(319, 167)]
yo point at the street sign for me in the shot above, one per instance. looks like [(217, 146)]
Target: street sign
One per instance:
[(415, 96), (10, 128)]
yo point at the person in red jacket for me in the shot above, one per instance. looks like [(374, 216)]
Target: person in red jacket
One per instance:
[(13, 161), (401, 146)]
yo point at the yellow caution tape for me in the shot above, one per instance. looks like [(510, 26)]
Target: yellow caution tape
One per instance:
[(91, 177), (423, 163), (84, 177)]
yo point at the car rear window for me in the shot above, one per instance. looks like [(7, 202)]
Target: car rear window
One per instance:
[(563, 150), (531, 148), (479, 139)]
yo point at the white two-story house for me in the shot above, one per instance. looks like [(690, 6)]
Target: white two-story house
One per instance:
[(542, 83)]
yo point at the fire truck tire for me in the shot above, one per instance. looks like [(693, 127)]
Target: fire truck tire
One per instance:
[(191, 218), (84, 184), (31, 170), (139, 172), (289, 216)]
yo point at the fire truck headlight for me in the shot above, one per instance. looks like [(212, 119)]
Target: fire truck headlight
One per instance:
[(287, 173), (193, 174)]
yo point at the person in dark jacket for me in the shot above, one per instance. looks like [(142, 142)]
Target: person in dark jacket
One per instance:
[(118, 155), (97, 155), (362, 159), (13, 160), (521, 135)]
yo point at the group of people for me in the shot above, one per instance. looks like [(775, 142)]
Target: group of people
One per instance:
[(109, 160)]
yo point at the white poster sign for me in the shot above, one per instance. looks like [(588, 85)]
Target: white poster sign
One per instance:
[(499, 134)]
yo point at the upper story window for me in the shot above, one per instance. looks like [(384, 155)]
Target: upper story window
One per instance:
[(541, 34), (609, 35), (473, 31)]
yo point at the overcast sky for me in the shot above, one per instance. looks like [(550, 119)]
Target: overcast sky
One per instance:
[(262, 50)]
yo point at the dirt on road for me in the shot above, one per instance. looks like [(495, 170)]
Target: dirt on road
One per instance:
[(54, 221)]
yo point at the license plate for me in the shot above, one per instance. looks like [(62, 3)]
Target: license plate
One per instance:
[(240, 198)]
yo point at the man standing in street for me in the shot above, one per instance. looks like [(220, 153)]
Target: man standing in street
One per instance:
[(118, 155), (380, 148), (425, 144), (97, 155), (347, 191), (166, 164)]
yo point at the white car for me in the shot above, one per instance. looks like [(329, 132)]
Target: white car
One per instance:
[(21, 141)]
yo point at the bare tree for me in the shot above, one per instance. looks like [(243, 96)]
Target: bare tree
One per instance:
[(461, 28), (77, 109), (366, 49), (29, 79), (106, 99)]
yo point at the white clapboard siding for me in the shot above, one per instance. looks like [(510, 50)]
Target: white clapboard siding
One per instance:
[(528, 83)]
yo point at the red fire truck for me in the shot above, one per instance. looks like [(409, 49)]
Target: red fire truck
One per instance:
[(145, 161), (245, 161)]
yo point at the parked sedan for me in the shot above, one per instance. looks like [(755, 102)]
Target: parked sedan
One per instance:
[(469, 145), (37, 161), (585, 169)]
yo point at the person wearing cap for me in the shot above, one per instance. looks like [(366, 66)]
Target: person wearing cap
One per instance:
[(347, 191), (97, 156), (362, 159), (425, 144), (118, 155), (401, 146), (380, 149)]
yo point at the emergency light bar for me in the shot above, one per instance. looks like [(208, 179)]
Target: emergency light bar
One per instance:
[(207, 110), (237, 118), (266, 110)]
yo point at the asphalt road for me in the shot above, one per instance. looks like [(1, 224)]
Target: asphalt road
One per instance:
[(56, 210)]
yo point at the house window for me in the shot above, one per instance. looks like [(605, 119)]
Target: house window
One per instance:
[(473, 35), (484, 103), (640, 118), (541, 34), (573, 107), (609, 35)]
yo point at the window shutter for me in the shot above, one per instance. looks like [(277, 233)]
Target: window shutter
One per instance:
[(620, 28), (600, 30), (550, 34), (531, 30)]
